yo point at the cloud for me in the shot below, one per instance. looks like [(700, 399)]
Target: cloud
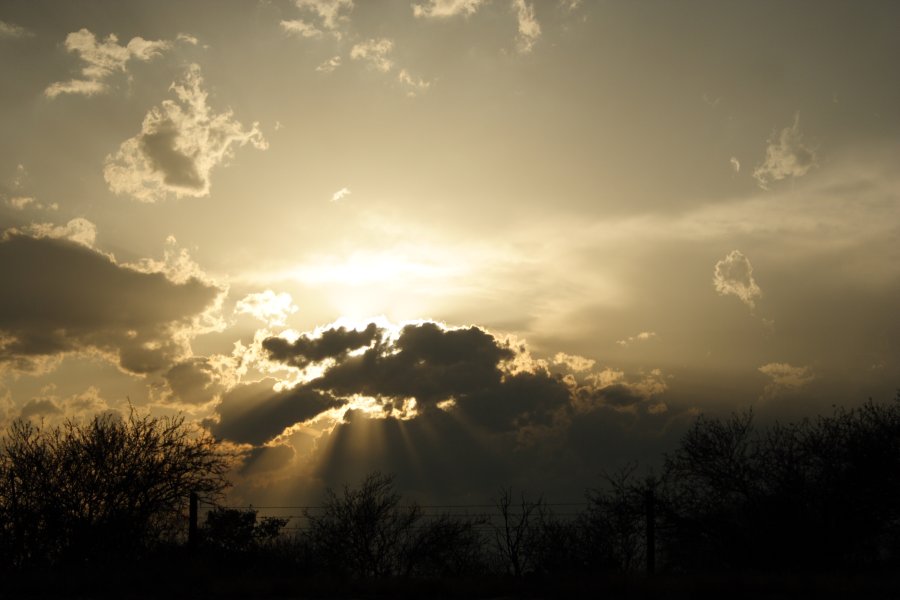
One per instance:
[(529, 28), (83, 301), (784, 378), (187, 39), (301, 28), (79, 230), (612, 388), (325, 15), (786, 156), (11, 30), (574, 363), (329, 65), (50, 407), (735, 164), (255, 413), (101, 59), (376, 52), (641, 337), (269, 307), (334, 343), (414, 85), (441, 9), (467, 371), (19, 202), (193, 381), (179, 144), (340, 194), (263, 459), (734, 276)]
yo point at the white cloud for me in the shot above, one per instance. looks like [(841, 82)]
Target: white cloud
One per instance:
[(786, 156), (102, 59), (187, 39), (10, 30), (414, 85), (529, 28), (376, 52), (329, 15), (19, 202), (574, 362), (785, 378), (329, 65), (301, 28), (735, 164), (340, 194), (641, 337), (432, 9), (269, 307), (77, 230), (734, 276), (179, 144)]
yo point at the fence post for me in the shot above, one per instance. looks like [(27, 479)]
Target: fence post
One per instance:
[(650, 506), (192, 521)]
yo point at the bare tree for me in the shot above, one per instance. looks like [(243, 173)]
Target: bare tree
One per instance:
[(365, 530), (515, 534), (112, 485)]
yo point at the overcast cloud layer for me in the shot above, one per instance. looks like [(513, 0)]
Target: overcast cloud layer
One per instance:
[(472, 243)]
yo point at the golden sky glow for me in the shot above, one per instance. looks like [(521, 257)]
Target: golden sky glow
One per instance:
[(349, 235)]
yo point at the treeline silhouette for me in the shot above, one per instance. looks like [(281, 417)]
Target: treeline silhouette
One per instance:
[(817, 496)]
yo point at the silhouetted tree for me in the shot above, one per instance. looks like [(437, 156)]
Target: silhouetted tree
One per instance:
[(818, 494), (104, 489), (364, 531), (368, 532), (613, 528), (234, 531), (516, 533)]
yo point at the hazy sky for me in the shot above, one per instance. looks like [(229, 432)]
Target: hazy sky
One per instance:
[(472, 242)]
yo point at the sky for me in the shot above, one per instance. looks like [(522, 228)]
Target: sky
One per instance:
[(474, 243)]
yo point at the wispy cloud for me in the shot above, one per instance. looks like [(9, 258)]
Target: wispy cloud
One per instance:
[(414, 85), (301, 28), (641, 337), (179, 144), (376, 52), (101, 59), (785, 378), (340, 194), (320, 17), (270, 308), (786, 156), (441, 9), (733, 276), (529, 28), (329, 65), (11, 30)]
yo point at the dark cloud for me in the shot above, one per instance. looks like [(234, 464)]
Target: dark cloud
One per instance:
[(519, 400), (264, 459), (193, 381), (333, 343), (427, 362), (61, 296), (254, 413), (39, 407)]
